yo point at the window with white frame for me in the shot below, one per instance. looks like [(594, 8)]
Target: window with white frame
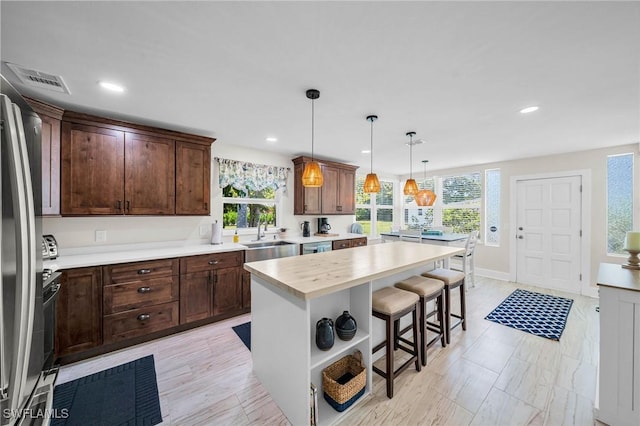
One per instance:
[(251, 193), (457, 206), (492, 207), (375, 214), (416, 217), (619, 201)]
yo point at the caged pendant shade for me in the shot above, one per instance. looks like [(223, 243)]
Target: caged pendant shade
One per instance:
[(410, 187), (425, 197), (371, 183), (312, 174)]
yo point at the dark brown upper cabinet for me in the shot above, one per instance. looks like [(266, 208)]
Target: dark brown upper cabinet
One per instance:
[(337, 194), (51, 117), (113, 168)]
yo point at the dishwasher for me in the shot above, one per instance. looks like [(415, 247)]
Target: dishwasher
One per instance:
[(321, 246)]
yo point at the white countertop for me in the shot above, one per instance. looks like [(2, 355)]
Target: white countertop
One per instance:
[(81, 257)]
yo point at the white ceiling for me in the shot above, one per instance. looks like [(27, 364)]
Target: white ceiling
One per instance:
[(456, 73)]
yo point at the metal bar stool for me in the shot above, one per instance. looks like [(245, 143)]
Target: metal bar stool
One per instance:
[(452, 280), (428, 289), (390, 304)]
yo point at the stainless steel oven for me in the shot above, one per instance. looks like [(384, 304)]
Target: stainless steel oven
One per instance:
[(50, 290)]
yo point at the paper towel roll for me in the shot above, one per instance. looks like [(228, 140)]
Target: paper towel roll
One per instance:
[(216, 233)]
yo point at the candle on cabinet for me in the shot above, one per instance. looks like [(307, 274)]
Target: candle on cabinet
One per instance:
[(632, 241)]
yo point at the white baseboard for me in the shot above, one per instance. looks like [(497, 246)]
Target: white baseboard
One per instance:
[(490, 273)]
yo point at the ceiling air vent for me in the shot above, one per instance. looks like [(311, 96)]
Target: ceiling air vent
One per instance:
[(39, 79)]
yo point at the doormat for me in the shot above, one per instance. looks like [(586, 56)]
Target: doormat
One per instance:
[(244, 333), (540, 314), (123, 395)]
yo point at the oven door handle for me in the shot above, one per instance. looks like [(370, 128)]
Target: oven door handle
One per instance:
[(52, 296)]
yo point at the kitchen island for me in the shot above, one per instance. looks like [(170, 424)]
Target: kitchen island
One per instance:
[(289, 295)]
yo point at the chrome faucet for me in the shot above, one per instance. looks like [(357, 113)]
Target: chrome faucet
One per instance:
[(260, 236)]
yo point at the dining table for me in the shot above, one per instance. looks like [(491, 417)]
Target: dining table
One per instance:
[(452, 239)]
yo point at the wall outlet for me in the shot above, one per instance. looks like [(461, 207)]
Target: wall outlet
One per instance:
[(204, 230), (101, 236)]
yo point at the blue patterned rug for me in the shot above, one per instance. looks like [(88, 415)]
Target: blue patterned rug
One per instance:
[(540, 314), (244, 333), (123, 395)]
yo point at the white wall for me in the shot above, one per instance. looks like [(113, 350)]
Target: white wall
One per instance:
[(72, 232), (497, 258)]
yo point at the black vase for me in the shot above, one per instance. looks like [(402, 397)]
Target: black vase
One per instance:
[(346, 326), (324, 334)]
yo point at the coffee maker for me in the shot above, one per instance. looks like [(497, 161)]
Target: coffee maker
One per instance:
[(323, 225)]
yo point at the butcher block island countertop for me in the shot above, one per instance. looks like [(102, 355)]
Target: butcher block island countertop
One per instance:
[(308, 277)]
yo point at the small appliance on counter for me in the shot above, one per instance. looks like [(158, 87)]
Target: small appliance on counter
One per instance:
[(49, 247), (306, 229), (323, 225)]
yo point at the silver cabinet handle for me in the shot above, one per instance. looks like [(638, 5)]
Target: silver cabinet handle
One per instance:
[(144, 271), (214, 262), (144, 289), (144, 317)]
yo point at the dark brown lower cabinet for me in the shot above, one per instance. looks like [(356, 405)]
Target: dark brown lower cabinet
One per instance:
[(246, 290), (210, 293), (79, 311)]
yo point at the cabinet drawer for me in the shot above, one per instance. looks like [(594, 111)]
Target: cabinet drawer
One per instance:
[(211, 261), (341, 244), (358, 242), (136, 294), (138, 322), (127, 272)]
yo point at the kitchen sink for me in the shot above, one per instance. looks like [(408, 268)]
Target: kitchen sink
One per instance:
[(265, 250)]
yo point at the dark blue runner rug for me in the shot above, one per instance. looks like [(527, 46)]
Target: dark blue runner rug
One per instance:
[(244, 333), (122, 395), (540, 314)]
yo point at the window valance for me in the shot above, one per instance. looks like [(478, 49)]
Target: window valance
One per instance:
[(249, 176)]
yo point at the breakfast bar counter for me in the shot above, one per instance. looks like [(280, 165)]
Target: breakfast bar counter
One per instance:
[(289, 295)]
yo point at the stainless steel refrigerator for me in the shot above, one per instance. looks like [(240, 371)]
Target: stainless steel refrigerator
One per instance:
[(25, 393)]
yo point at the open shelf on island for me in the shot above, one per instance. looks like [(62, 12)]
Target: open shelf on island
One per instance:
[(340, 348)]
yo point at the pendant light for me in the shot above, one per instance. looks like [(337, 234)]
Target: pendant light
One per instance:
[(371, 183), (312, 175), (411, 187), (425, 197)]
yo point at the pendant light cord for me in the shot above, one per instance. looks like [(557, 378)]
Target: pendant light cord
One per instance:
[(312, 125), (371, 147), (410, 156)]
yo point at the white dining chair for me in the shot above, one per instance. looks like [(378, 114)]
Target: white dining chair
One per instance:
[(411, 235), (466, 259)]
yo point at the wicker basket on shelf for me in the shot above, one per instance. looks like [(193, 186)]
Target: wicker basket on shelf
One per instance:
[(343, 382)]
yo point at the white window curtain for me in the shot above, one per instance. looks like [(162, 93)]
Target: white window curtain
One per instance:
[(251, 177)]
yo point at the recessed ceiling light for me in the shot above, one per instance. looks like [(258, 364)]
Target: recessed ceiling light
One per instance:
[(111, 86), (271, 139), (528, 109), (365, 151)]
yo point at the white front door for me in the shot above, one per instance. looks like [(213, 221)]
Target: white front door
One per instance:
[(548, 232)]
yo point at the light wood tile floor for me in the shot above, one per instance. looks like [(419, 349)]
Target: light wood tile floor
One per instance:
[(489, 375)]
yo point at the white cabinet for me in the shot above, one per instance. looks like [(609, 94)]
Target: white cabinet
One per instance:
[(619, 378), (285, 356)]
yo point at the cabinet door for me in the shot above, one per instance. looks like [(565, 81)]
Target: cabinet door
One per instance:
[(346, 192), (79, 311), (330, 190), (227, 291), (196, 296), (193, 169), (92, 170), (306, 200), (246, 290), (149, 175), (50, 166)]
